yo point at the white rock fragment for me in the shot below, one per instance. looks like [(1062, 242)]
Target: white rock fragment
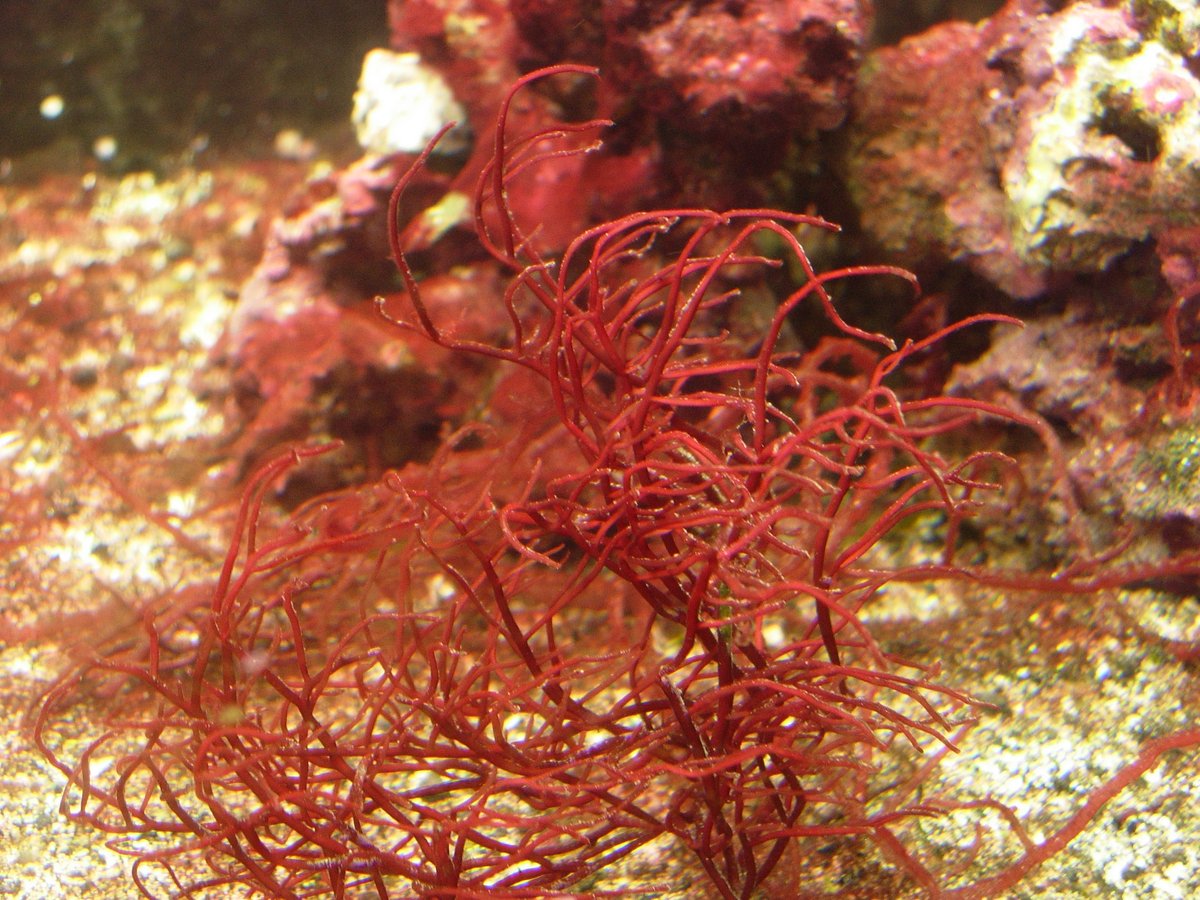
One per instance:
[(401, 104)]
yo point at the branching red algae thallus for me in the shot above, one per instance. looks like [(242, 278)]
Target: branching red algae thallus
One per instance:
[(499, 673)]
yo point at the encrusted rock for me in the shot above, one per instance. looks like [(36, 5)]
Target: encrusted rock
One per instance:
[(1035, 143)]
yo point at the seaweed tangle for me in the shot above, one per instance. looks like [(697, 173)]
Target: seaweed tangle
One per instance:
[(631, 616)]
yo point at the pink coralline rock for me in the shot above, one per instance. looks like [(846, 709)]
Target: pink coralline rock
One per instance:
[(476, 47), (708, 97), (322, 237), (310, 355), (1035, 143), (471, 43), (1130, 451), (794, 60), (920, 163), (1178, 251), (788, 63), (553, 31), (715, 95), (1065, 368)]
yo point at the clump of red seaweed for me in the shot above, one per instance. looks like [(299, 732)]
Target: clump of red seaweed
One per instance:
[(630, 617)]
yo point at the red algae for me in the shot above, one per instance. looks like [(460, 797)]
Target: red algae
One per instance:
[(647, 564), (633, 610)]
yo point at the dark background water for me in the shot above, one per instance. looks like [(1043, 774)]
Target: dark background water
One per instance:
[(159, 75)]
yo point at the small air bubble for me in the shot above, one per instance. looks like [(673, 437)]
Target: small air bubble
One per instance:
[(52, 106), (104, 148)]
